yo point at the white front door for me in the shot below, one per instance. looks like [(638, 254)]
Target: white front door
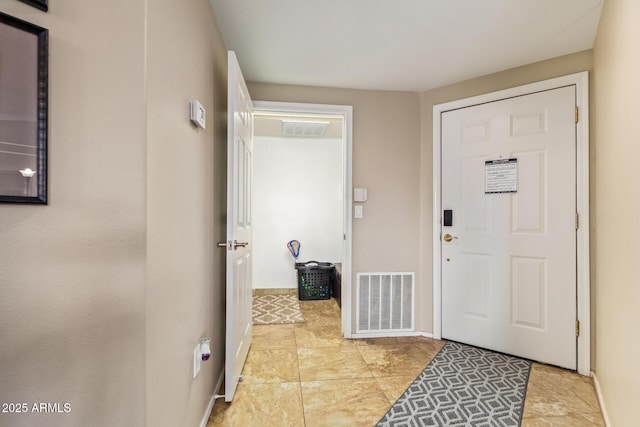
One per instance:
[(509, 262), (239, 285)]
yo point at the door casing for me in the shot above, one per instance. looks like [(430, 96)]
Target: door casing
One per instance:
[(346, 111), (580, 80)]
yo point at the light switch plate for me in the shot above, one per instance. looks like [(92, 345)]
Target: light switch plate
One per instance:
[(359, 212), (197, 114)]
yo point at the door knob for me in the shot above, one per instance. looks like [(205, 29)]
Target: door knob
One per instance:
[(222, 245), (237, 244), (448, 237)]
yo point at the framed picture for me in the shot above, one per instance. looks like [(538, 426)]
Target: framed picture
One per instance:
[(24, 55), (40, 4)]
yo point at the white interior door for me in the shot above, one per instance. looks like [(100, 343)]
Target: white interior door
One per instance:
[(509, 268), (239, 274)]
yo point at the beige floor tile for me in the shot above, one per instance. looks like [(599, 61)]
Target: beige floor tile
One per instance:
[(273, 336), (393, 387), (377, 341), (557, 392), (330, 363), (595, 418), (260, 405), (354, 382), (571, 420), (428, 346), (325, 306), (392, 361), (348, 403), (318, 318), (271, 366), (556, 378), (433, 343), (315, 336), (320, 310), (542, 401)]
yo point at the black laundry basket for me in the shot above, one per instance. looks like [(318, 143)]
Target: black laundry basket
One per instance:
[(315, 280)]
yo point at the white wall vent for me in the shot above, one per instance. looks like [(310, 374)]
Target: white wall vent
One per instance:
[(304, 128), (385, 303)]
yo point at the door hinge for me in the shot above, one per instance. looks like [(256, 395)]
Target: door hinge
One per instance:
[(577, 328), (577, 115), (577, 220)]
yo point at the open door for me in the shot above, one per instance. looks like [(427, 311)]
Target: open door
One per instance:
[(239, 285)]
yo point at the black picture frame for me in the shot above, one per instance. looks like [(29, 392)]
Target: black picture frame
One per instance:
[(40, 4), (32, 132)]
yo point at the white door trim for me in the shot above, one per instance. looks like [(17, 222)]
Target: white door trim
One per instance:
[(346, 111), (581, 81)]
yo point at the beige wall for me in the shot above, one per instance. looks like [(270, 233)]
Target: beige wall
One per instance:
[(185, 209), (491, 83), (72, 276), (386, 135), (390, 158), (107, 290), (617, 251)]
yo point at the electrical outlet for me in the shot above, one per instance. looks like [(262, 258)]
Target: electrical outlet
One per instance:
[(196, 361)]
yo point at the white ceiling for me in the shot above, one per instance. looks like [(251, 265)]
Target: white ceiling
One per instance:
[(409, 45)]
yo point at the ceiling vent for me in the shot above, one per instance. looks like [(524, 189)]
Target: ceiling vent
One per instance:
[(304, 128)]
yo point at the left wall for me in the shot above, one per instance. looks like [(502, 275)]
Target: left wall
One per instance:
[(105, 292), (72, 274)]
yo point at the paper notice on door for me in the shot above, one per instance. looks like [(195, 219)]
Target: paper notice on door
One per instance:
[(501, 176)]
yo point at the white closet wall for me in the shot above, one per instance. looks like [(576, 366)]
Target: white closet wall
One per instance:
[(297, 194)]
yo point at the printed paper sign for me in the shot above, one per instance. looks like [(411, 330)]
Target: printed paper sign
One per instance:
[(501, 176)]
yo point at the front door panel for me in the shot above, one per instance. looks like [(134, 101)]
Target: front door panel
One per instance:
[(509, 269)]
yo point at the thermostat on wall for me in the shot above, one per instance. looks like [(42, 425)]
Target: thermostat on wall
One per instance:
[(197, 114)]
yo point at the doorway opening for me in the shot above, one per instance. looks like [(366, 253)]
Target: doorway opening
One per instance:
[(302, 191)]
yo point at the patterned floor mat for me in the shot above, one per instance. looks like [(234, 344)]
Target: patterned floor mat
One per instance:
[(464, 386), (271, 309)]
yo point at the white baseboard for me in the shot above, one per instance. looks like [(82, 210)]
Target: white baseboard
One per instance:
[(603, 409), (212, 401)]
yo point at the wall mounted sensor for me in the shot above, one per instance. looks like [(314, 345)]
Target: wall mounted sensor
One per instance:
[(359, 194), (197, 114)]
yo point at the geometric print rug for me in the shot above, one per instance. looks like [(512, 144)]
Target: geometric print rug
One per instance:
[(464, 386), (270, 309)]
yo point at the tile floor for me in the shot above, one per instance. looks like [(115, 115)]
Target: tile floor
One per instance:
[(308, 375)]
